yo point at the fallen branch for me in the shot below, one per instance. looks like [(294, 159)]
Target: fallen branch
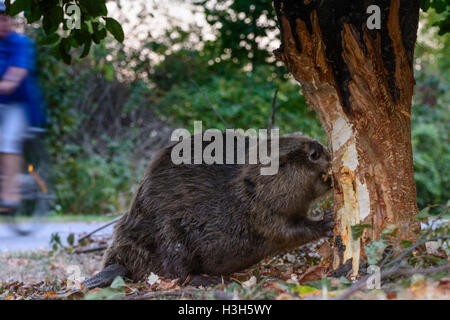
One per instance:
[(190, 293), (413, 247), (410, 272), (394, 271), (396, 263), (100, 248), (100, 228)]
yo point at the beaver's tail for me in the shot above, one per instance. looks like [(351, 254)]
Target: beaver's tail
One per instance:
[(105, 277)]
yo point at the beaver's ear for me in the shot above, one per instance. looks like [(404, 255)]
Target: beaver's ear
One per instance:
[(315, 151)]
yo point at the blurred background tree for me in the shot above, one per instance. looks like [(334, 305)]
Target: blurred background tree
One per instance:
[(110, 112), (431, 109)]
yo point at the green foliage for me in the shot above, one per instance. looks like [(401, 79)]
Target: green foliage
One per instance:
[(304, 289), (93, 23), (94, 179), (431, 116), (374, 251), (97, 165), (92, 172), (243, 99), (358, 230), (115, 29), (442, 8), (114, 292), (55, 241), (240, 26)]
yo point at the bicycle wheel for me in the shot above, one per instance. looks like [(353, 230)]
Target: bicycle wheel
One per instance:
[(33, 209), (35, 190)]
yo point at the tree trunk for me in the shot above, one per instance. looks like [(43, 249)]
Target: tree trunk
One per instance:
[(360, 83)]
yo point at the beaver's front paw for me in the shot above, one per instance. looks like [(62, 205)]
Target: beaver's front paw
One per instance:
[(327, 224), (325, 227)]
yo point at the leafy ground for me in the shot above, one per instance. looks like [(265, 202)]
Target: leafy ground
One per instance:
[(408, 271)]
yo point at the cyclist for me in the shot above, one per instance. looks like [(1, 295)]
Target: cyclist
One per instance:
[(20, 107)]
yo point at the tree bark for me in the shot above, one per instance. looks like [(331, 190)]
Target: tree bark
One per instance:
[(360, 83)]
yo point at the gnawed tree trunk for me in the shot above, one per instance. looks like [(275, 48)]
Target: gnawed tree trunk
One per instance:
[(360, 82)]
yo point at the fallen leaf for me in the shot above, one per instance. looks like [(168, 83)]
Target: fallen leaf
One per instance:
[(444, 285), (284, 296), (95, 290), (432, 247), (273, 285), (293, 279), (118, 283), (325, 250), (152, 279), (169, 284), (250, 283), (391, 295), (306, 291), (312, 274), (419, 288), (188, 278)]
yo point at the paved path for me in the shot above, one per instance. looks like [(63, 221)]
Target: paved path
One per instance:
[(40, 239)]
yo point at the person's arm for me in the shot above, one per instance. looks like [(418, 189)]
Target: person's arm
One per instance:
[(12, 79)]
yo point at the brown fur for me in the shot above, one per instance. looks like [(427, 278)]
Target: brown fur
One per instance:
[(219, 219)]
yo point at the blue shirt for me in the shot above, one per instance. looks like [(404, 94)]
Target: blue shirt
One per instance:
[(17, 50)]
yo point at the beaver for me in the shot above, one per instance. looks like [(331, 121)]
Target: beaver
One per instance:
[(188, 220)]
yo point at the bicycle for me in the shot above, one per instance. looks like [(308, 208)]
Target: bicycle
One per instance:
[(36, 197)]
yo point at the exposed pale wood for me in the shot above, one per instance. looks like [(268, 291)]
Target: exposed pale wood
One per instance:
[(371, 144)]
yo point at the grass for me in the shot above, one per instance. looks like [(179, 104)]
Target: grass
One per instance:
[(80, 218), (87, 218)]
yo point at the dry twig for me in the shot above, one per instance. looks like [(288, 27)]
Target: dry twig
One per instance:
[(100, 228)]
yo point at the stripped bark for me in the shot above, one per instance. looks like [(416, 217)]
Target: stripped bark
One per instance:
[(360, 83)]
